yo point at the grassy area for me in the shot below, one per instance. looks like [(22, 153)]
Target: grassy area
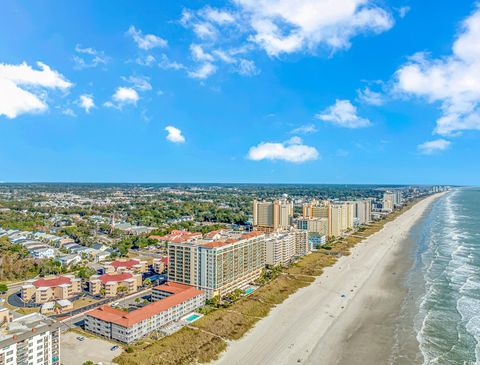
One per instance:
[(208, 340), (186, 346), (82, 302)]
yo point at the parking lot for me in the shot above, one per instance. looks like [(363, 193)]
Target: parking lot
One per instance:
[(75, 352)]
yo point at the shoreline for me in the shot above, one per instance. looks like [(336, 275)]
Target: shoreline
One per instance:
[(349, 306)]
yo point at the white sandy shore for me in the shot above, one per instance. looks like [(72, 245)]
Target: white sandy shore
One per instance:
[(310, 326)]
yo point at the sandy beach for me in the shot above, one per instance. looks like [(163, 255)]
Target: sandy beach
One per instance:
[(347, 315)]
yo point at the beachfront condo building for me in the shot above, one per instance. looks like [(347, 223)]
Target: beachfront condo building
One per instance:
[(388, 202), (220, 266), (270, 216), (32, 339), (313, 225), (51, 288), (362, 211), (172, 301), (339, 215), (280, 248)]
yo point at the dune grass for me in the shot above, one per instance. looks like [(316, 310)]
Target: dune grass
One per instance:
[(206, 338)]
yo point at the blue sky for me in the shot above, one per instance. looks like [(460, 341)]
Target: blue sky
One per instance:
[(310, 91)]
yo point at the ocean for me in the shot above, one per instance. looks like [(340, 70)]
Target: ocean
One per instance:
[(439, 322)]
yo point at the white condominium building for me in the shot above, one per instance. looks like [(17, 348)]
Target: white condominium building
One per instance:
[(280, 248), (172, 302), (218, 267), (31, 340)]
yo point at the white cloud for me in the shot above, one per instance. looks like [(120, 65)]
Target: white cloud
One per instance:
[(69, 112), (343, 114), (292, 150), (304, 129), (146, 41), (141, 83), (403, 11), (199, 54), (370, 97), (247, 68), (123, 96), (23, 89), (204, 30), (287, 26), (452, 81), (217, 16), (88, 57), (431, 147), (86, 102), (204, 71), (174, 134), (147, 60), (166, 64)]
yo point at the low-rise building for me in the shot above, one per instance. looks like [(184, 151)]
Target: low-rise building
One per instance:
[(32, 339), (160, 264), (174, 301), (51, 288), (111, 283), (122, 265)]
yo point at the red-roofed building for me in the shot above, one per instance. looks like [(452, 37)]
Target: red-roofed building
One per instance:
[(160, 264), (175, 301), (122, 265), (113, 282), (179, 236), (51, 288)]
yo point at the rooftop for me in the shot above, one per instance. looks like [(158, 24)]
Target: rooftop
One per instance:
[(105, 278), (49, 282), (125, 263)]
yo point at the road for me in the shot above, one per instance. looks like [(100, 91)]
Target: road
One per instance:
[(77, 319)]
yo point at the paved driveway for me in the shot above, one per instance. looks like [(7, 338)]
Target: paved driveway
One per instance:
[(75, 352)]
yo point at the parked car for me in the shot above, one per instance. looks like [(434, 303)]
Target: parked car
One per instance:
[(114, 348)]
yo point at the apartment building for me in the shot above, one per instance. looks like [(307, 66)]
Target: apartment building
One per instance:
[(302, 242), (32, 339), (339, 216), (221, 266), (280, 248), (159, 265), (122, 265), (317, 226), (172, 302), (110, 284), (51, 288), (270, 216), (362, 211)]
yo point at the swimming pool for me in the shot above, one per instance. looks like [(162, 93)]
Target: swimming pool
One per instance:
[(192, 318), (249, 291)]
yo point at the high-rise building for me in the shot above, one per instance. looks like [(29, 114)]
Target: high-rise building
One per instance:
[(362, 211), (218, 267), (388, 201), (313, 225), (32, 339), (270, 216), (280, 248)]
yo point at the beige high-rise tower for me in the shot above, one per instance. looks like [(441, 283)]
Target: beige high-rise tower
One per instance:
[(270, 216)]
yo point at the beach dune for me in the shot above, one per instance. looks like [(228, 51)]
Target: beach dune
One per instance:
[(346, 315)]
